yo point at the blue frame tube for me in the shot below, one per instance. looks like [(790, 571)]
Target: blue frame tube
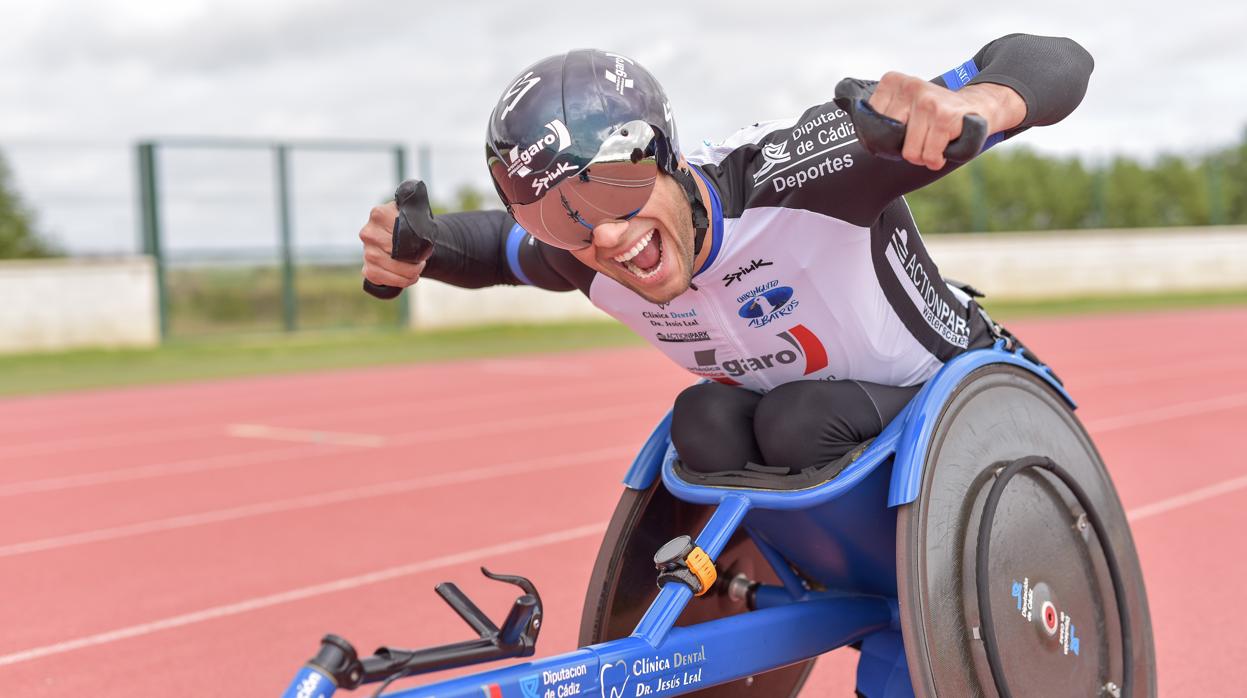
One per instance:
[(649, 459), (672, 599), (691, 658), (792, 628), (311, 682), (792, 584)]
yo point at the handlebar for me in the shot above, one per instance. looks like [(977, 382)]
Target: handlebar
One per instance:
[(884, 136), (413, 229), (338, 665)]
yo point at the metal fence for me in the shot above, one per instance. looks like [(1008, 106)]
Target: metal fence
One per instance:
[(259, 235), (185, 186), (248, 234)]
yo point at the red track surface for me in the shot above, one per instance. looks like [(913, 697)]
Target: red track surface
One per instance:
[(198, 539)]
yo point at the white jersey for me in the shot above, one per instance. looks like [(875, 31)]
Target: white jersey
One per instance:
[(792, 292), (816, 270)]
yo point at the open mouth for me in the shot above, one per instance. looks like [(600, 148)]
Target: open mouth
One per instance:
[(645, 258)]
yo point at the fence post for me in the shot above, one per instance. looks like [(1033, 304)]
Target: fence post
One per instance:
[(1099, 182), (149, 234), (1216, 214), (424, 161), (290, 307), (978, 204)]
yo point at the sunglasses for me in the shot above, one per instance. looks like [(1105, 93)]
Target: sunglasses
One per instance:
[(613, 185)]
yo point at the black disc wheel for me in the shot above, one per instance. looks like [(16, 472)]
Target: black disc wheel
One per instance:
[(1055, 614), (622, 585)]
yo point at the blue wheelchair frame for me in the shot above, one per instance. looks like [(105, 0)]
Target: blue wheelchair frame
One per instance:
[(791, 623)]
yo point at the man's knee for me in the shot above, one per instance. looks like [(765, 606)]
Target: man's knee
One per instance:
[(711, 406), (807, 423), (710, 427)]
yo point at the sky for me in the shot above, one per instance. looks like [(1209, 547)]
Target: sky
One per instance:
[(81, 81)]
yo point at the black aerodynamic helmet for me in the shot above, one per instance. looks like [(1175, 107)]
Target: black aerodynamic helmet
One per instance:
[(577, 139)]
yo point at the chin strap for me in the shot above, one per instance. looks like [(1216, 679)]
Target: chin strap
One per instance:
[(701, 221)]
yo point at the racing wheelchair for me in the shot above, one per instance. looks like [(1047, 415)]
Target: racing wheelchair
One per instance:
[(976, 547)]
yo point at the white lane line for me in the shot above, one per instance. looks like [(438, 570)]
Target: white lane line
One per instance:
[(233, 609), (535, 367), (468, 430), (1168, 412), (1187, 499), (317, 500), (191, 465), (447, 561), (121, 437), (1172, 369), (549, 420), (306, 436), (415, 409)]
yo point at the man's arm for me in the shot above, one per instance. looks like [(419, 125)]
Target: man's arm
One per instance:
[(815, 162), (1015, 82), (471, 250), (1021, 81)]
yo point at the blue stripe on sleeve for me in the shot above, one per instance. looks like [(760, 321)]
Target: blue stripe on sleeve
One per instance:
[(514, 239), (957, 78)]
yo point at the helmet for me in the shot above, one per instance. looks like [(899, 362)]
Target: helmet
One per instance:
[(577, 139)]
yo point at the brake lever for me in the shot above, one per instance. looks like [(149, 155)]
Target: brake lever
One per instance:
[(524, 615)]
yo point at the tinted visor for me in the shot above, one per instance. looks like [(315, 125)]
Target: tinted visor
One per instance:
[(614, 186)]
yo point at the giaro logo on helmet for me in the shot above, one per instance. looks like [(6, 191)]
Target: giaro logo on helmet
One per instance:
[(521, 158)]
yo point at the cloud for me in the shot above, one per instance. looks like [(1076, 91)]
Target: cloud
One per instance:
[(112, 71)]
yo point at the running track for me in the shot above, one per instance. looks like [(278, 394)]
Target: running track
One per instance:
[(198, 539)]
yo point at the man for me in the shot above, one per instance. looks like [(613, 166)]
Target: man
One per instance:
[(782, 263)]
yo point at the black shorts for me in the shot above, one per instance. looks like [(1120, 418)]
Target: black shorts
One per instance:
[(717, 427)]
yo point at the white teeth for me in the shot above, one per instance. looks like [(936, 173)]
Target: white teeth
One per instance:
[(641, 274), (636, 249)]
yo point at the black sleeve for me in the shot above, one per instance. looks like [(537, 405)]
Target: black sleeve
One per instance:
[(819, 165), (475, 249), (1050, 73)]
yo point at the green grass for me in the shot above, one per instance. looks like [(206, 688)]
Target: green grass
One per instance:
[(224, 300), (1009, 310), (221, 357), (229, 356)]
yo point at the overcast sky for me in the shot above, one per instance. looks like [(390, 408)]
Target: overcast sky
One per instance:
[(79, 81)]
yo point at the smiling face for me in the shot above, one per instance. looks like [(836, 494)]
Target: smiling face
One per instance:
[(650, 253)]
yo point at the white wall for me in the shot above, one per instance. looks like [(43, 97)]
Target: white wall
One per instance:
[(435, 304), (66, 303), (1089, 263), (1058, 264), (57, 304)]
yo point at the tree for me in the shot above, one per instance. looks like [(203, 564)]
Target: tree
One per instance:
[(1231, 182), (17, 235)]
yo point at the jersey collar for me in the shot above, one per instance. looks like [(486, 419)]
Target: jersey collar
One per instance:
[(716, 220)]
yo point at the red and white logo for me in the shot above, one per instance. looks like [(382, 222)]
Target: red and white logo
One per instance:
[(1048, 615), (805, 344)]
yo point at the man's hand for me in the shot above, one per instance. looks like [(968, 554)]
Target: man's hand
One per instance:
[(378, 238), (932, 114)]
